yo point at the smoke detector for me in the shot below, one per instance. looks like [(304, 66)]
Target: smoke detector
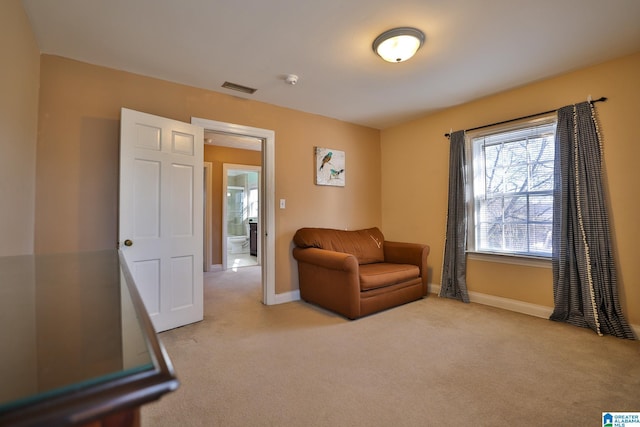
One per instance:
[(291, 79)]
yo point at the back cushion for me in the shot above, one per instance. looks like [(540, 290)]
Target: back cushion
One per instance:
[(366, 245)]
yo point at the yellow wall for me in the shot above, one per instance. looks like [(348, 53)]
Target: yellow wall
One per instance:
[(19, 82), (218, 156), (415, 161), (77, 173)]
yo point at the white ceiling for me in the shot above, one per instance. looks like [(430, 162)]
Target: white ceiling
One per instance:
[(473, 47)]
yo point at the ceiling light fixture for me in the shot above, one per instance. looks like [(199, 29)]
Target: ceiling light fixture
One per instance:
[(398, 44)]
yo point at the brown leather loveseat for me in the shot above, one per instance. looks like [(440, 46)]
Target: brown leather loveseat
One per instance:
[(356, 273)]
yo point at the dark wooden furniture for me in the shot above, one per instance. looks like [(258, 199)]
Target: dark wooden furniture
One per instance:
[(253, 238), (78, 347)]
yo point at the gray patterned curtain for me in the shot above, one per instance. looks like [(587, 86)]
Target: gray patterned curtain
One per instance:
[(454, 268), (584, 274)]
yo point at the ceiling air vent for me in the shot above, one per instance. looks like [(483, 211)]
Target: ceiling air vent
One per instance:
[(239, 88)]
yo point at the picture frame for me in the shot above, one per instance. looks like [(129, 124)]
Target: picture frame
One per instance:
[(329, 167)]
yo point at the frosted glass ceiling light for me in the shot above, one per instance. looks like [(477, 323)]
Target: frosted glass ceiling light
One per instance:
[(398, 44)]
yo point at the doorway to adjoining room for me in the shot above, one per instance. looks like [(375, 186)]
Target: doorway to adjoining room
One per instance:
[(249, 139), (241, 185)]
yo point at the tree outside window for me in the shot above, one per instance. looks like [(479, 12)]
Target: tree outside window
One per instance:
[(511, 203)]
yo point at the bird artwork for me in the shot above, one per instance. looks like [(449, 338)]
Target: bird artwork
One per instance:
[(329, 167), (326, 159), (336, 174)]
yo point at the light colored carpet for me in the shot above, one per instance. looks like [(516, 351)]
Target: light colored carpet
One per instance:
[(430, 362)]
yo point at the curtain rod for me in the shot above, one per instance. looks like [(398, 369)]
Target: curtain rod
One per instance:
[(447, 135)]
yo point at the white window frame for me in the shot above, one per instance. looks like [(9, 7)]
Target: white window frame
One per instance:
[(474, 174)]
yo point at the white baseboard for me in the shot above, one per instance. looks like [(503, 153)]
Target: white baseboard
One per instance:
[(530, 309), (504, 303), (287, 297), (514, 305)]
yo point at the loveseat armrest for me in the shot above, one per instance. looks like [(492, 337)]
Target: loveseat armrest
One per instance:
[(329, 279), (406, 253), (327, 259)]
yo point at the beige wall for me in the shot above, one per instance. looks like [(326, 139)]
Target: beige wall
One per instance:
[(415, 162), (19, 82), (77, 174), (218, 156)]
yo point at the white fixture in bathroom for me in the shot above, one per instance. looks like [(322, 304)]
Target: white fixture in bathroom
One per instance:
[(237, 243)]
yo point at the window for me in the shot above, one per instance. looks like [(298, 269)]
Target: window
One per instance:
[(511, 204), (253, 203)]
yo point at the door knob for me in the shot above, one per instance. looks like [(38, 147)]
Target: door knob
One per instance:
[(128, 242)]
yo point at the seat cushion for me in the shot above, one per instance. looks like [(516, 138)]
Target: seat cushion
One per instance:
[(366, 245), (378, 275)]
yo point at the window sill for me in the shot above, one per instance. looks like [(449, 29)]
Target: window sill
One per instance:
[(510, 259)]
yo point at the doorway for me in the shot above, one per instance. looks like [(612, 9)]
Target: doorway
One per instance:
[(241, 215), (247, 137)]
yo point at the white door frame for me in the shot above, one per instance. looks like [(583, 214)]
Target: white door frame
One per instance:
[(226, 167), (207, 244), (267, 218)]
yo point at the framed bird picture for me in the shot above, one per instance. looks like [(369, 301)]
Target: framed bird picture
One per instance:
[(330, 167)]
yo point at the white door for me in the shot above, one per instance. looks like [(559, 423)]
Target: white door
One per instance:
[(160, 230)]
